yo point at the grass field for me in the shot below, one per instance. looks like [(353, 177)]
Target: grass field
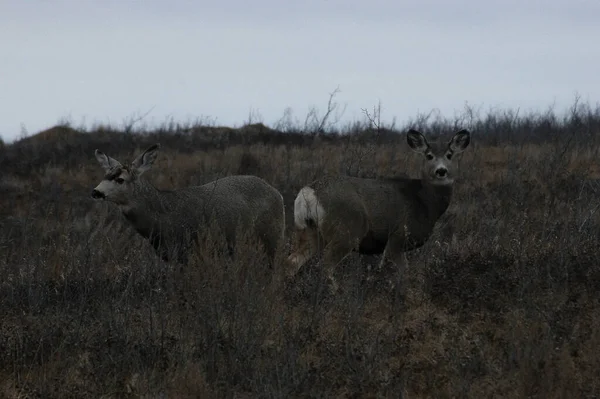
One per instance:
[(503, 300)]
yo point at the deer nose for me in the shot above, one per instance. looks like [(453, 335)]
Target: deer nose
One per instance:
[(97, 194), (441, 172)]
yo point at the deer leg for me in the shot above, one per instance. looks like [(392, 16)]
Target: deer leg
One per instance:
[(341, 244), (341, 239), (335, 252), (306, 245), (394, 254), (399, 261)]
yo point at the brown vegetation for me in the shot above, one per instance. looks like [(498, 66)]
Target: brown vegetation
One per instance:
[(503, 301)]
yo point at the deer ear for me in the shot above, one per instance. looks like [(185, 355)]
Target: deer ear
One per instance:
[(417, 141), (105, 161), (144, 161), (460, 141)]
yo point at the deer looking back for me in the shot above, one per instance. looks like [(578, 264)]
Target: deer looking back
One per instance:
[(375, 216), (172, 220)]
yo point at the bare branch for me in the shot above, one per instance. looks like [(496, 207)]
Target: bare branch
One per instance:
[(319, 124), (375, 118), (132, 121)]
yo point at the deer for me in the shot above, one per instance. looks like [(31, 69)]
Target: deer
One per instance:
[(375, 216), (172, 220)]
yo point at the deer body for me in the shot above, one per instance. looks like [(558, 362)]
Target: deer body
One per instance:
[(173, 220), (387, 216)]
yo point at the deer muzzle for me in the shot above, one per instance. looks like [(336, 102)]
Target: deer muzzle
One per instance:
[(97, 194)]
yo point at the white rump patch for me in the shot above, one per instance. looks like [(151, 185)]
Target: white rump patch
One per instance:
[(307, 207)]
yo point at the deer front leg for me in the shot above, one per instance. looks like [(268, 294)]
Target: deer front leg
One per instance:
[(396, 258), (399, 260)]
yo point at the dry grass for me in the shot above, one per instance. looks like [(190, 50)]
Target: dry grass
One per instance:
[(503, 300)]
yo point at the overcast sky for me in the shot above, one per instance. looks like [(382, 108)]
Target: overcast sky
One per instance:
[(107, 60)]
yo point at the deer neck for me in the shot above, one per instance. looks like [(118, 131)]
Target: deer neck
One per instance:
[(145, 209), (436, 199)]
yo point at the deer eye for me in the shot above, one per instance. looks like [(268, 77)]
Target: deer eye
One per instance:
[(120, 180), (449, 155), (429, 156)]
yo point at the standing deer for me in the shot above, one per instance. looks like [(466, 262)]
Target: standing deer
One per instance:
[(172, 220), (375, 216)]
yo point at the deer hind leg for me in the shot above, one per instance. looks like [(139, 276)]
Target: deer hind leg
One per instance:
[(340, 243), (335, 252), (305, 245)]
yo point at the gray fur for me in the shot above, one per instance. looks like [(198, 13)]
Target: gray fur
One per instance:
[(172, 220), (387, 216)]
